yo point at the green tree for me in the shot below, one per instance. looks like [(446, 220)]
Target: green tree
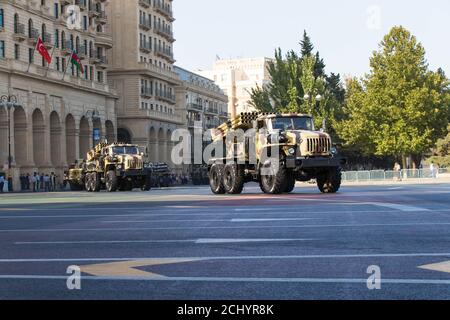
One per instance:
[(401, 107), (294, 75)]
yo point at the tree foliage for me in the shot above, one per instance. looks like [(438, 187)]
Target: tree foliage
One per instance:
[(295, 74), (401, 107)]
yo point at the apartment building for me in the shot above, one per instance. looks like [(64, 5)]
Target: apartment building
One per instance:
[(60, 112), (141, 71), (237, 77)]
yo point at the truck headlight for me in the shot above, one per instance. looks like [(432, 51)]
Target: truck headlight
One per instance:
[(291, 151), (120, 166), (334, 151)]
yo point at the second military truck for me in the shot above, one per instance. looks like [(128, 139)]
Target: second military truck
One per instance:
[(301, 154), (116, 166)]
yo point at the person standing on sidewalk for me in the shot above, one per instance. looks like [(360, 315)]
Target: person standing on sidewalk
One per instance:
[(2, 183), (398, 171)]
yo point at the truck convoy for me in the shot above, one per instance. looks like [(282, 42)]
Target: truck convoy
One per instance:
[(281, 149), (113, 167)]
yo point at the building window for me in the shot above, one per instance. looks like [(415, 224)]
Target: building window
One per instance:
[(56, 10), (2, 49), (86, 73), (30, 55), (16, 52), (85, 23), (57, 63), (63, 64), (2, 18), (57, 38)]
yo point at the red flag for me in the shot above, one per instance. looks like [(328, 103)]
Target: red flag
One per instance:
[(76, 61), (43, 51)]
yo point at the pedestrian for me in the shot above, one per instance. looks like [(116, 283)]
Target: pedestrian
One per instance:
[(46, 183), (432, 170), (53, 181), (27, 182), (33, 183), (2, 183), (397, 171), (41, 181)]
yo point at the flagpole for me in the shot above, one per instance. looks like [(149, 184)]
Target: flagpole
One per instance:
[(51, 58), (65, 70), (34, 51)]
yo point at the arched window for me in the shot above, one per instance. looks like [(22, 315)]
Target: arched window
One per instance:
[(30, 28), (16, 23), (71, 42), (77, 44), (44, 32), (63, 40)]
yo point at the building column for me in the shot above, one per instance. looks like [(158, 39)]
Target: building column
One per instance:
[(63, 147), (163, 154), (47, 141), (153, 151)]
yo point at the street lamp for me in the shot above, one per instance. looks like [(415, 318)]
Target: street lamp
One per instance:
[(9, 102), (93, 115)]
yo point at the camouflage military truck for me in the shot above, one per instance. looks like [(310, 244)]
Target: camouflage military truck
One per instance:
[(112, 167), (304, 154), (75, 175)]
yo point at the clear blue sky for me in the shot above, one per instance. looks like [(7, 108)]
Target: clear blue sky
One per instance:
[(345, 32)]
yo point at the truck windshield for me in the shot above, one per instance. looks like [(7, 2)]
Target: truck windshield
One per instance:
[(294, 123), (125, 150)]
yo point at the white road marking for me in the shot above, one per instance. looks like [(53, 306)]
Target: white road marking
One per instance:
[(196, 241), (230, 279), (317, 256), (366, 225), (274, 219), (397, 206)]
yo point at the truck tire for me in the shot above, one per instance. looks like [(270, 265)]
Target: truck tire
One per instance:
[(96, 183), (216, 179), (111, 181), (274, 183), (88, 182), (330, 181), (290, 182), (233, 178)]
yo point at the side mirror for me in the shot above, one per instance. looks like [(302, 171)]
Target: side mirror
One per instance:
[(255, 124)]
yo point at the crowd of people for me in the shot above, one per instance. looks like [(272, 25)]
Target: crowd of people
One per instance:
[(39, 182)]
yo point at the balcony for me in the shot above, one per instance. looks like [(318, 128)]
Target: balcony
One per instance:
[(102, 18), (33, 37), (81, 52), (102, 62), (93, 13), (19, 32), (212, 111), (145, 47), (224, 114), (65, 2), (164, 53), (171, 75), (146, 93), (165, 96), (165, 10), (165, 32), (163, 116), (145, 24), (104, 39), (81, 4), (194, 106), (47, 40), (145, 3), (66, 48)]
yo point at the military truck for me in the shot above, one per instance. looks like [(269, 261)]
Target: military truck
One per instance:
[(116, 166), (301, 154)]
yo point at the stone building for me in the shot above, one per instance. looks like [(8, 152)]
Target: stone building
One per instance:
[(142, 73), (60, 112)]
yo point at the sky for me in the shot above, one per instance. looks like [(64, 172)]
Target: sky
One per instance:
[(345, 32)]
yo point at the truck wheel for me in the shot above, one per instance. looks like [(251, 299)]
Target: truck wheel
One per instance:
[(274, 182), (290, 182), (215, 179), (330, 181), (96, 183), (88, 182), (111, 181), (233, 178)]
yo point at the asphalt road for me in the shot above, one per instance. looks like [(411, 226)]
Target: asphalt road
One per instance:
[(186, 243)]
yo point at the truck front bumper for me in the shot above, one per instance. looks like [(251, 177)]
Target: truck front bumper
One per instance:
[(134, 173), (309, 163)]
